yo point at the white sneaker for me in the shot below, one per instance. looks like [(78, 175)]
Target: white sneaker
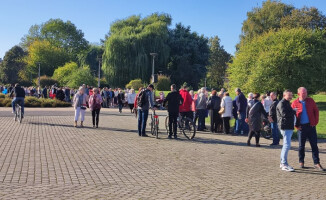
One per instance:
[(287, 168)]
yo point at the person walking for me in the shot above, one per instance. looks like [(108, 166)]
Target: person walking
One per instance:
[(307, 120), (79, 103), (131, 99), (254, 119), (227, 106), (95, 101), (121, 100), (241, 102), (214, 104), (285, 121), (273, 119), (201, 109), (174, 100), (144, 103)]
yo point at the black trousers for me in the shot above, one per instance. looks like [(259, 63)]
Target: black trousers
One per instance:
[(257, 136), (95, 116), (214, 120), (310, 133), (173, 122), (226, 125)]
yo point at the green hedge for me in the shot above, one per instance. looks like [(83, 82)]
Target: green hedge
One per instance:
[(36, 102)]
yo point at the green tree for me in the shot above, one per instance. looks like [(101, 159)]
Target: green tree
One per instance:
[(60, 34), (63, 74), (91, 58), (163, 83), (82, 76), (48, 56), (135, 84), (12, 64), (218, 60), (128, 47), (189, 56), (278, 60)]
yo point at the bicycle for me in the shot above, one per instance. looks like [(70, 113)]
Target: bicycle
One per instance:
[(18, 112), (185, 125), (266, 130), (154, 124)]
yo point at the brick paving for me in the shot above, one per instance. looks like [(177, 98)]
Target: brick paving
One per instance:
[(45, 157)]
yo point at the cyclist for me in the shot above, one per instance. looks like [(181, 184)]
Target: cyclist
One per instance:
[(174, 100), (19, 97)]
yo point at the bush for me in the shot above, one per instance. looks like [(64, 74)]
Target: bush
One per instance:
[(5, 102), (45, 81), (135, 84), (164, 83), (2, 96), (35, 102)]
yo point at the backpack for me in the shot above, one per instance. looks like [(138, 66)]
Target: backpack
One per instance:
[(141, 99)]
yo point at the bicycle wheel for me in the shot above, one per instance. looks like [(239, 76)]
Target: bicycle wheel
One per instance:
[(156, 127), (20, 114), (151, 124), (188, 128), (16, 112), (167, 124)]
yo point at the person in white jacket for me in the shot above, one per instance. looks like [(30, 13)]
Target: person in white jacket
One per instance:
[(131, 99), (226, 103)]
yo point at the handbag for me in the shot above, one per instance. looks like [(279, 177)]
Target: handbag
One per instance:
[(222, 109)]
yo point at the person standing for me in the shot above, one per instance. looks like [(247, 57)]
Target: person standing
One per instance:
[(241, 101), (131, 100), (121, 100), (67, 94), (254, 119), (267, 102), (201, 109), (214, 104), (79, 103), (185, 107), (307, 120), (60, 94), (45, 92), (95, 101), (226, 103), (144, 103), (273, 119), (174, 100), (285, 121)]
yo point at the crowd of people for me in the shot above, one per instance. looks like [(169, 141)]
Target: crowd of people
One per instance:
[(251, 114)]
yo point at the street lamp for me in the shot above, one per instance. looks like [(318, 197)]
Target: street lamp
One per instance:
[(153, 55), (99, 71)]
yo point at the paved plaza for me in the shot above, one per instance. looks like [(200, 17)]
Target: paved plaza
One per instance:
[(45, 157)]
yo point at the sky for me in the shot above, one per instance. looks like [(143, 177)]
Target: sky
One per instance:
[(223, 18)]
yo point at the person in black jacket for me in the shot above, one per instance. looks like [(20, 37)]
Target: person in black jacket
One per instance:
[(241, 101), (214, 105), (121, 99), (60, 94), (285, 121), (19, 97), (174, 100), (254, 119), (273, 119)]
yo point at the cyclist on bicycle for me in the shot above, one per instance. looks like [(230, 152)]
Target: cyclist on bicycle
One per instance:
[(19, 97), (174, 100)]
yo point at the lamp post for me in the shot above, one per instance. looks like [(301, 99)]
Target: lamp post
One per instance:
[(153, 55), (39, 74), (99, 71)]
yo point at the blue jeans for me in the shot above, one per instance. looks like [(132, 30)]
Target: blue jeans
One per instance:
[(275, 133), (201, 119), (287, 134), (142, 120), (120, 106), (20, 101), (241, 125)]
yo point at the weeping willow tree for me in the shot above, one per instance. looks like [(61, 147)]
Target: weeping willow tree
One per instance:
[(128, 47)]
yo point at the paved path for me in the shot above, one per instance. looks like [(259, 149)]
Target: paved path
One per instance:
[(45, 157)]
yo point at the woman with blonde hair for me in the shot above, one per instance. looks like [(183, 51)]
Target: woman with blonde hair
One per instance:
[(95, 101), (79, 103)]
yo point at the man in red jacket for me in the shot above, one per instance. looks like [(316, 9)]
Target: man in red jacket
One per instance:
[(185, 108), (307, 120)]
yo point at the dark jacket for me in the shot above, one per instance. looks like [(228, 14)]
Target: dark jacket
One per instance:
[(241, 103), (60, 95), (121, 97), (272, 110), (254, 115), (174, 100), (18, 92), (285, 115), (214, 103), (45, 93)]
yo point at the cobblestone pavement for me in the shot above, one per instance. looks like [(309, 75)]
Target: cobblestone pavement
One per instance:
[(45, 157)]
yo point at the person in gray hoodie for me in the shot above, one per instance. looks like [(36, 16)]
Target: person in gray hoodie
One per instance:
[(201, 104)]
